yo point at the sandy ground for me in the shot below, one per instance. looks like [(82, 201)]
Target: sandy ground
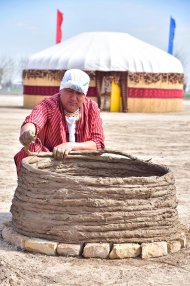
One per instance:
[(162, 137)]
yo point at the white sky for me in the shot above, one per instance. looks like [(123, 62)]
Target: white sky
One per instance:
[(27, 27)]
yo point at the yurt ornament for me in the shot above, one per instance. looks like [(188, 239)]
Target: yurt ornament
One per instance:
[(104, 204)]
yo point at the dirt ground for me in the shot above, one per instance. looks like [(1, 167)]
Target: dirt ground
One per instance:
[(162, 137)]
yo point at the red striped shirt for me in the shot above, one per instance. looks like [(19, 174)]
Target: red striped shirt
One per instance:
[(51, 127)]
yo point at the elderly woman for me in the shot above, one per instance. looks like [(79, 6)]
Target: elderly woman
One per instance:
[(63, 122)]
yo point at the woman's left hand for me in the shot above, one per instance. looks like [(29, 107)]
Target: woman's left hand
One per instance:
[(62, 150)]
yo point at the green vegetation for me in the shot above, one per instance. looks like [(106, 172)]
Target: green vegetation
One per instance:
[(11, 90), (187, 95)]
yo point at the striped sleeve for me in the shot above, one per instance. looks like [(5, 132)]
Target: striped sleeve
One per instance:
[(97, 133), (38, 116)]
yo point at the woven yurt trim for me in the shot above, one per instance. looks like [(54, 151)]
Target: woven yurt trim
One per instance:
[(40, 90), (150, 78), (48, 74), (154, 93), (154, 104), (96, 199), (133, 77), (92, 250), (55, 75), (50, 90)]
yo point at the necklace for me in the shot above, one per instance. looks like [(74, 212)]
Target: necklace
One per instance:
[(72, 114)]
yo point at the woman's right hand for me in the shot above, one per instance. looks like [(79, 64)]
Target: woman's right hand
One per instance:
[(27, 137), (27, 134)]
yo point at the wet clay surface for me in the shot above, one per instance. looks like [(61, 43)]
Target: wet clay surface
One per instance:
[(162, 137)]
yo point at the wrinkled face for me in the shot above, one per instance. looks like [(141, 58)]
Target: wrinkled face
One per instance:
[(71, 99)]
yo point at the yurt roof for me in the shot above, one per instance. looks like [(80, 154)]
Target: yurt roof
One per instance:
[(105, 51)]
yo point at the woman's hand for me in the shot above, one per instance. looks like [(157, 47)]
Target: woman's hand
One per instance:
[(27, 137), (27, 134), (62, 150)]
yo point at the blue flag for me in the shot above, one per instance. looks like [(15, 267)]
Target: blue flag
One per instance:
[(171, 35)]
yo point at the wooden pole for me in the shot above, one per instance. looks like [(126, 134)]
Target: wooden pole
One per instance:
[(99, 78), (123, 83)]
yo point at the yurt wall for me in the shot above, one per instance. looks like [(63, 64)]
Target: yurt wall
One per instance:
[(154, 92), (38, 84), (140, 92)]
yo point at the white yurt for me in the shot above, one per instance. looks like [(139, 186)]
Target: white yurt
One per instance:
[(126, 73)]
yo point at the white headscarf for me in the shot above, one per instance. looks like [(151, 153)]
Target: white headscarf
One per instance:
[(75, 79)]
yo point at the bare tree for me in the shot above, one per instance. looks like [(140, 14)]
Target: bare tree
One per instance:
[(21, 64), (1, 75), (7, 66), (184, 59)]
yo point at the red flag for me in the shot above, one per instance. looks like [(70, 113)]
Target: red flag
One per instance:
[(59, 23)]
